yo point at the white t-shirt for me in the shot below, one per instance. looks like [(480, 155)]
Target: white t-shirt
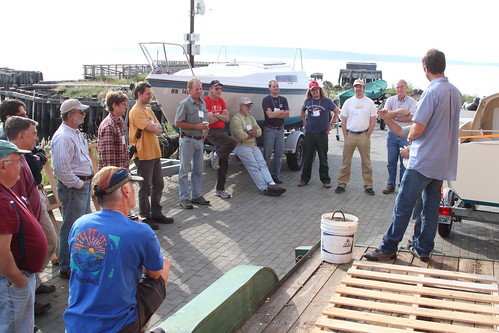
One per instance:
[(358, 111)]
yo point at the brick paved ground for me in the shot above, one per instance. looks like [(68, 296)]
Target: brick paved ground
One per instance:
[(253, 229)]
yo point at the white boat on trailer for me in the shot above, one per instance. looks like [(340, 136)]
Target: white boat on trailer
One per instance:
[(239, 80)]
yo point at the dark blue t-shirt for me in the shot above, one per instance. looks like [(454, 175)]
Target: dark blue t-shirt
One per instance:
[(280, 103), (318, 113), (108, 251)]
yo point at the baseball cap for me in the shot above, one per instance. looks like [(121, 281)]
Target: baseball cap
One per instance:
[(246, 100), (358, 82), (215, 83), (313, 84), (71, 104), (111, 178), (7, 148)]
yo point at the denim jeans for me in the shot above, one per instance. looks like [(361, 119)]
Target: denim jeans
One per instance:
[(254, 162), (315, 142), (414, 186), (17, 313), (273, 141), (151, 188), (75, 203), (393, 145), (191, 160)]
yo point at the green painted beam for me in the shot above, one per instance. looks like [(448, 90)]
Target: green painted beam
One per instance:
[(226, 304)]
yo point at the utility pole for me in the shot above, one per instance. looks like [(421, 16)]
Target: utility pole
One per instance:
[(191, 32)]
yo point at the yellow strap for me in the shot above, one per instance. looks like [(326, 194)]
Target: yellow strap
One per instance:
[(479, 136)]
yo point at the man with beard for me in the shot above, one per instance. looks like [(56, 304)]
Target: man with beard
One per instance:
[(73, 167)]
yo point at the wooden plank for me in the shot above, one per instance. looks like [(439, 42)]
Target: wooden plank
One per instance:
[(461, 295), (380, 319), (350, 326), (413, 299), (400, 309)]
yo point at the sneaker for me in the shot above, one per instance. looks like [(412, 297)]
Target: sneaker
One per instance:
[(222, 194), (270, 193), (186, 204), (339, 190), (327, 185), (151, 223), (302, 183), (200, 201), (369, 191), (276, 189), (163, 219), (416, 254), (41, 308), (44, 288), (389, 189), (214, 160), (377, 255), (37, 329), (65, 274), (277, 180)]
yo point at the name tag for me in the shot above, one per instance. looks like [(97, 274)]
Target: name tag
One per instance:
[(248, 127), (201, 114), (277, 109), (316, 113)]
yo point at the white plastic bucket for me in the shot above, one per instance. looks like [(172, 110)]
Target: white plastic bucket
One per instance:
[(338, 237)]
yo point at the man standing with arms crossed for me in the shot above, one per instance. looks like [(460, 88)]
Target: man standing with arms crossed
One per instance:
[(400, 109), (192, 119), (73, 168), (434, 135), (218, 115), (275, 109), (143, 130)]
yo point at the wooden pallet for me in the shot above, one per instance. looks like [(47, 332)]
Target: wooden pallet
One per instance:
[(375, 297)]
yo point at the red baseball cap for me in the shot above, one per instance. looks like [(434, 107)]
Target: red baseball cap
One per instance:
[(313, 84)]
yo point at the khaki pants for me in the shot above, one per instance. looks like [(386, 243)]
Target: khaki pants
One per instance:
[(363, 143), (48, 229)]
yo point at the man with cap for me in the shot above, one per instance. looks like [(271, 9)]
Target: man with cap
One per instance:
[(275, 109), (73, 168), (218, 115), (244, 128), (317, 120), (118, 273), (358, 117), (192, 119), (112, 143), (143, 130), (400, 109), (22, 244)]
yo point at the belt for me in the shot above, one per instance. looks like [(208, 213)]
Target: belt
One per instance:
[(84, 178), (273, 127), (182, 134), (353, 132)]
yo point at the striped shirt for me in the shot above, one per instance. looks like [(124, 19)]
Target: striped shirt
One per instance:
[(70, 156), (112, 143)]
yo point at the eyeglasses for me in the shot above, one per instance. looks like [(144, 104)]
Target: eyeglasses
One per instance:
[(79, 111), (17, 161), (218, 89)]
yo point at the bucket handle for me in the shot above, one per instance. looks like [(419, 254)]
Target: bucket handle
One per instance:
[(336, 211)]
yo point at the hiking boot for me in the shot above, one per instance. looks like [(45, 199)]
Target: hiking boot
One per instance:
[(163, 219), (222, 194), (186, 204), (389, 189), (377, 255), (41, 308), (416, 254), (270, 193), (302, 183), (277, 180), (65, 274), (214, 160), (151, 223), (369, 191), (339, 190), (276, 188), (44, 288), (200, 201)]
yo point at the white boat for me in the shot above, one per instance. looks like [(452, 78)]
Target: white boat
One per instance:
[(238, 79)]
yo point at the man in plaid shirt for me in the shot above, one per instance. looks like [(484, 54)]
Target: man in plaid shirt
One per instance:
[(112, 142)]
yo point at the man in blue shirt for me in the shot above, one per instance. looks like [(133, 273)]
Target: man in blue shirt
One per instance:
[(434, 135), (118, 273)]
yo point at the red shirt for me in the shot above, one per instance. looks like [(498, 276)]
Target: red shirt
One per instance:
[(34, 238), (216, 107), (26, 187), (112, 144)]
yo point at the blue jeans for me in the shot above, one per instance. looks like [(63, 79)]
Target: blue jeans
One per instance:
[(273, 141), (414, 186), (17, 312), (75, 203), (393, 145), (191, 160), (254, 162)]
